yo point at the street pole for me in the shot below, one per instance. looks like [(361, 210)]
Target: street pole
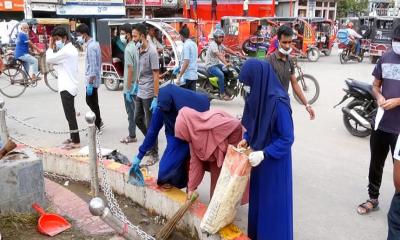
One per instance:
[(143, 9), (3, 124), (94, 175)]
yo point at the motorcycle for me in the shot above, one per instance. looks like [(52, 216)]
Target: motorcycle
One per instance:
[(358, 115), (347, 55), (208, 83), (253, 44)]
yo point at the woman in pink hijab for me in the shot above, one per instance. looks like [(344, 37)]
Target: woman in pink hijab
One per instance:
[(208, 134)]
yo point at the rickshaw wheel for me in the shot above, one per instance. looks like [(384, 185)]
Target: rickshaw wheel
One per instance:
[(313, 55), (328, 52), (111, 81)]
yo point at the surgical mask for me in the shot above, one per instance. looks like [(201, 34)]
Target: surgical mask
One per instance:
[(139, 44), (285, 52), (123, 39), (59, 44), (80, 40), (396, 47)]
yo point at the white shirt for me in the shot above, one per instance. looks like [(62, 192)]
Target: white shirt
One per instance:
[(66, 60), (353, 33), (396, 155), (245, 5)]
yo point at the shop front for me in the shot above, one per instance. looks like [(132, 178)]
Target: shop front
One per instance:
[(11, 10)]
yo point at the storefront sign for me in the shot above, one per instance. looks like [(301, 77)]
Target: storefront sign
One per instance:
[(95, 2), (43, 7), (149, 3), (45, 1), (91, 10), (170, 3), (12, 5)]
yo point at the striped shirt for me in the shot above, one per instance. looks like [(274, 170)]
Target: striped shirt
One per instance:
[(93, 62)]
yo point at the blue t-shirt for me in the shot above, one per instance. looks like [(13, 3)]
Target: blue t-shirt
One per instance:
[(22, 46), (388, 70), (190, 53)]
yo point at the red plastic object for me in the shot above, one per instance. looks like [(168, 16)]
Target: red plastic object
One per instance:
[(50, 224)]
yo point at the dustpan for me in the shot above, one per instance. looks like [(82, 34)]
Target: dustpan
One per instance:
[(50, 224)]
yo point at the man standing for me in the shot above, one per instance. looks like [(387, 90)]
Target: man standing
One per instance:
[(93, 71), (394, 211), (386, 89), (22, 51), (66, 58), (188, 72), (148, 83), (246, 8), (284, 66), (152, 38), (131, 71)]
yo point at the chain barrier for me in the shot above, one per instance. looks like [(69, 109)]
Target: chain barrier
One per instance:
[(42, 151), (112, 202), (12, 117), (63, 178)]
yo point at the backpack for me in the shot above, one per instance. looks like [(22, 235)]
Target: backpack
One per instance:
[(343, 36)]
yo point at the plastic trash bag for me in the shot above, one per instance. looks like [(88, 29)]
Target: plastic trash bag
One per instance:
[(136, 177), (118, 157)]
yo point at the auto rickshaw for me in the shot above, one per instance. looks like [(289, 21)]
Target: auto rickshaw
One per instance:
[(112, 69), (237, 30), (325, 34), (381, 36), (304, 45)]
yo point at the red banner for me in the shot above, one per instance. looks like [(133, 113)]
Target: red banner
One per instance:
[(12, 5)]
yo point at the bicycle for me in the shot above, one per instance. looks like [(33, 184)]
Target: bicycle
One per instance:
[(15, 77), (308, 84)]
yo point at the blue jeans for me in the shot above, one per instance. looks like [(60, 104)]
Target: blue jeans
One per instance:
[(216, 71), (29, 60), (358, 46), (130, 110)]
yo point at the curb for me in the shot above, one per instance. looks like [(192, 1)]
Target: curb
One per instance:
[(151, 197)]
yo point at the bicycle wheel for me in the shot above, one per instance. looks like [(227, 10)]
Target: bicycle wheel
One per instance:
[(51, 78), (310, 88), (14, 83)]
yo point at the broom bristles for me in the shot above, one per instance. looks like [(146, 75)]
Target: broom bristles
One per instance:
[(169, 227)]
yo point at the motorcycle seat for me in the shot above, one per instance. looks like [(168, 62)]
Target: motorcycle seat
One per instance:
[(360, 85)]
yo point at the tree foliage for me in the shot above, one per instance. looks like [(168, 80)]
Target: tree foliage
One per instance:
[(346, 8)]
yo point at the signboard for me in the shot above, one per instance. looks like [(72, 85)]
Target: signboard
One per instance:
[(170, 3), (148, 3), (43, 7), (45, 1), (95, 2), (12, 5), (91, 10)]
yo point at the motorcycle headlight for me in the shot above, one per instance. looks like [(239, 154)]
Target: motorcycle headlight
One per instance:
[(235, 74)]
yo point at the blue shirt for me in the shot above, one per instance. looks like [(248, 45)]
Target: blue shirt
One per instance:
[(190, 53), (93, 62), (22, 47)]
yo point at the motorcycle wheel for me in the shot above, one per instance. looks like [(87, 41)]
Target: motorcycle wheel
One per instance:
[(313, 55), (203, 54), (361, 58), (353, 127), (310, 89), (328, 52), (111, 81), (202, 87), (343, 58)]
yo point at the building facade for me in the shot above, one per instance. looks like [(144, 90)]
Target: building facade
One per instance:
[(11, 10), (306, 8)]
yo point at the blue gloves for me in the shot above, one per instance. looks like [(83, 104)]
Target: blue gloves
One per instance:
[(154, 104), (135, 175), (128, 97), (89, 89), (135, 89), (175, 70)]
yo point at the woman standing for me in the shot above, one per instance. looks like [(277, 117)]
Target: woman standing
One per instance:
[(268, 121), (173, 165)]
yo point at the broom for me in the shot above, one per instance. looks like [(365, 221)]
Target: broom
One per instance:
[(169, 227)]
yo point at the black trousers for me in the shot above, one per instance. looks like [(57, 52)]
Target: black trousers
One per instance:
[(380, 144), (68, 102), (190, 84), (143, 117), (93, 103), (394, 218)]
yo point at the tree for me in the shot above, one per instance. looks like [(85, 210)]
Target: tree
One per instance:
[(351, 7)]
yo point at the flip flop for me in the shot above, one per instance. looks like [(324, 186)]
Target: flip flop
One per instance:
[(67, 141), (70, 146), (128, 139)]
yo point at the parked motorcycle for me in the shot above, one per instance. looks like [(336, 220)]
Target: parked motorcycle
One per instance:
[(208, 83), (359, 114)]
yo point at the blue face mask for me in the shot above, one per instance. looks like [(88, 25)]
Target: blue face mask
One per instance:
[(59, 44), (80, 40)]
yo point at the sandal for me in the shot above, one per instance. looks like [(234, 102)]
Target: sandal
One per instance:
[(367, 207), (68, 141), (128, 140), (71, 146)]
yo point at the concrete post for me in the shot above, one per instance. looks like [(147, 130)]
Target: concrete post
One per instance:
[(3, 124), (90, 118), (97, 208)]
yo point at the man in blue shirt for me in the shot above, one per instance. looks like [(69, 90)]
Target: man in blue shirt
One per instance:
[(22, 51), (93, 71), (188, 74)]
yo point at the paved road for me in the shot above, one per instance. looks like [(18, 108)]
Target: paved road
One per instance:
[(330, 166)]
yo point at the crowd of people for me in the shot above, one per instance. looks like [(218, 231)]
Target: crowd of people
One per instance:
[(198, 138)]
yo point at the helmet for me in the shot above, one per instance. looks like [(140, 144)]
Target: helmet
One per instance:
[(218, 33)]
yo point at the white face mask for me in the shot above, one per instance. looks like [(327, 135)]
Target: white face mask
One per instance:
[(123, 38), (285, 52), (396, 47)]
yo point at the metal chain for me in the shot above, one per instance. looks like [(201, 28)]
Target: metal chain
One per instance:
[(12, 117), (62, 177), (112, 202), (42, 151)]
